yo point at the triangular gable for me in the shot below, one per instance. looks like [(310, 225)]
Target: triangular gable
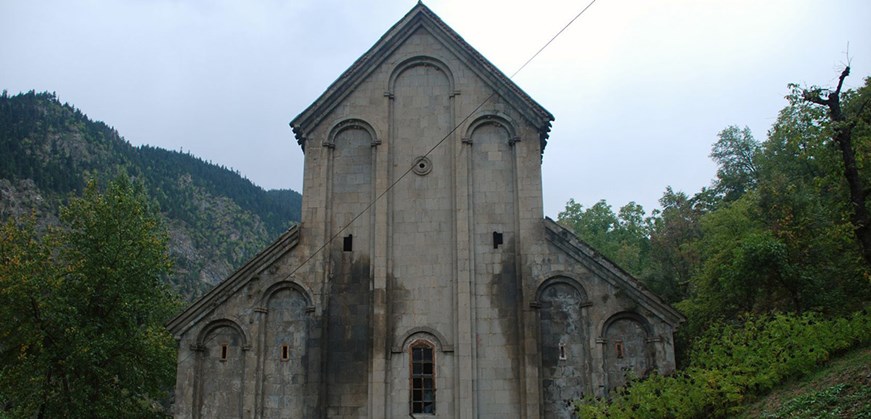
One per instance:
[(582, 252), (421, 16), (229, 286)]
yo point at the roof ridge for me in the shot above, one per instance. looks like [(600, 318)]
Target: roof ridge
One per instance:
[(489, 65), (284, 243), (309, 117), (560, 232)]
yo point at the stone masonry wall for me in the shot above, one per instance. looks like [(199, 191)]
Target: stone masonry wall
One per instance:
[(455, 256)]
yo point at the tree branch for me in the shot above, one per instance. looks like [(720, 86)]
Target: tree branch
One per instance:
[(843, 76), (815, 97)]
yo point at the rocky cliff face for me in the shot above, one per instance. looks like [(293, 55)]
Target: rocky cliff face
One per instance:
[(216, 219)]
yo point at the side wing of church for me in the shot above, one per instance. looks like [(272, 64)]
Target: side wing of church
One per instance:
[(423, 280)]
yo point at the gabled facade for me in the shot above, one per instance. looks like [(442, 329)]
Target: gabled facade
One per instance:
[(423, 279)]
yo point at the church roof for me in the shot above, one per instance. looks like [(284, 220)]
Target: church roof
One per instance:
[(582, 252), (230, 285), (421, 16)]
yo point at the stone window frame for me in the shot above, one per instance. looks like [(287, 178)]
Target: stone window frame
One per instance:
[(418, 405), (284, 352)]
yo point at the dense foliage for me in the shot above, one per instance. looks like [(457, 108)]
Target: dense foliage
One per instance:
[(83, 307), (734, 363), (217, 218), (776, 232), (772, 233)]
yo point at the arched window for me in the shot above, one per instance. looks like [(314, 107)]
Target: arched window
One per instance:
[(422, 397)]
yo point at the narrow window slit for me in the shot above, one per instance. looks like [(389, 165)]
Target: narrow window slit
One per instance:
[(562, 351), (224, 352), (618, 347), (348, 243), (497, 239), (285, 352)]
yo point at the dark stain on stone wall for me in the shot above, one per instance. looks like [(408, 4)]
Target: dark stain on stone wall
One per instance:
[(348, 337), (503, 291)]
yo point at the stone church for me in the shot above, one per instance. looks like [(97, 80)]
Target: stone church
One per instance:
[(423, 280)]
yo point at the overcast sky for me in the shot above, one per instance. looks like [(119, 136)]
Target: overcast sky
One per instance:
[(639, 88)]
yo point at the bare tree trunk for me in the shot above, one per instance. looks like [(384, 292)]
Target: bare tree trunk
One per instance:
[(842, 135)]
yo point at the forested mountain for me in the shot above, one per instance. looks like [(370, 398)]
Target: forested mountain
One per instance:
[(216, 218)]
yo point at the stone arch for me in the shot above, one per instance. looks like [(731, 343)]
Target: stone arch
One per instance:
[(644, 323), (350, 177), (220, 371), (420, 60), (493, 172), (556, 278), (628, 349), (215, 324), (284, 284), (564, 345), (350, 123), (492, 118), (423, 332)]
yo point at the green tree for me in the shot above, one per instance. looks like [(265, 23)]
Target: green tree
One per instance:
[(621, 237), (83, 308), (736, 153), (786, 243), (673, 254), (848, 116)]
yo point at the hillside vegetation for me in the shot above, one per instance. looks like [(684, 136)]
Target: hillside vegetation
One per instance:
[(840, 389), (769, 263), (216, 218), (733, 364)]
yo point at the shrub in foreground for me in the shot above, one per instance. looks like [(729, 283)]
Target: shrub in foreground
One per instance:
[(732, 364)]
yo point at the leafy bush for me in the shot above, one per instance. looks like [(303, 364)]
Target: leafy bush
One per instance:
[(733, 363)]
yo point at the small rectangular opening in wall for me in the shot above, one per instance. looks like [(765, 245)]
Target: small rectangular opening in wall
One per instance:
[(562, 351), (224, 351), (285, 352), (348, 243), (497, 239), (618, 347)]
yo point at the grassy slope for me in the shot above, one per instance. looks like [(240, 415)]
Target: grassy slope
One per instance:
[(840, 389)]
